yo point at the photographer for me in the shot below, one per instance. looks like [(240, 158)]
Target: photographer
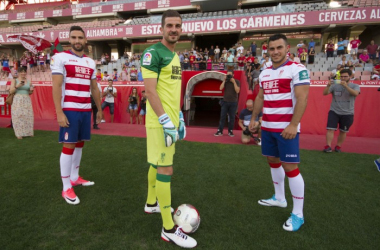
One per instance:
[(231, 88), (110, 93), (244, 120), (342, 108)]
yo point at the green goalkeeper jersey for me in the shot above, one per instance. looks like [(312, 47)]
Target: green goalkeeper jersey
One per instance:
[(160, 63)]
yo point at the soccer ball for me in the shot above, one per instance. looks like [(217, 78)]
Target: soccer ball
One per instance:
[(187, 217)]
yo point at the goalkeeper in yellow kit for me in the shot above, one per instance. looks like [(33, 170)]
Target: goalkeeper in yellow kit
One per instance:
[(165, 125)]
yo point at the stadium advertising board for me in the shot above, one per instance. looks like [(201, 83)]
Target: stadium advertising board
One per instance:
[(83, 9), (285, 20)]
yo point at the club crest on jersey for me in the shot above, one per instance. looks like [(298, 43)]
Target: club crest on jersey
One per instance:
[(282, 71), (147, 58), (52, 61), (66, 136), (303, 75)]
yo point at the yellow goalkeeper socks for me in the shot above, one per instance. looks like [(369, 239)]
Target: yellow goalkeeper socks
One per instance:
[(152, 173), (163, 193)]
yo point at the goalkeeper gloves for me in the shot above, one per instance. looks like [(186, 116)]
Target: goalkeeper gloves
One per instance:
[(181, 127), (170, 131)]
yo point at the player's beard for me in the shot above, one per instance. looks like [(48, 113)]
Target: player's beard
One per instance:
[(76, 49), (280, 60), (167, 38)]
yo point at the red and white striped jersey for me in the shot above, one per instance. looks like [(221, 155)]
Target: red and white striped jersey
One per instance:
[(279, 99), (77, 74)]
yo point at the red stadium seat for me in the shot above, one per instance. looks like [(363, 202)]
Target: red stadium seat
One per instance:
[(365, 78), (366, 73)]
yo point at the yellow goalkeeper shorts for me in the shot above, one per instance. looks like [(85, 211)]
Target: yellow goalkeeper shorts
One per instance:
[(158, 154)]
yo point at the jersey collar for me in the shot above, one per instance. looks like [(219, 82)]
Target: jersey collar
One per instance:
[(273, 68)]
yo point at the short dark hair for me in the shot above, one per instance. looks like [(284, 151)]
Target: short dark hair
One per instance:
[(77, 28), (21, 69), (169, 13), (105, 72), (143, 91), (348, 71), (114, 69), (276, 37), (110, 80)]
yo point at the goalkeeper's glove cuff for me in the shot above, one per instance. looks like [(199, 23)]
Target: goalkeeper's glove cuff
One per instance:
[(165, 121)]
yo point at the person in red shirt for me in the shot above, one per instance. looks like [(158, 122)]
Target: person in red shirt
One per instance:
[(241, 60), (354, 45), (330, 49), (372, 49), (376, 72), (264, 48), (192, 60)]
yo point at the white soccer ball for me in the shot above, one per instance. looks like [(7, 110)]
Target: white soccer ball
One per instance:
[(187, 217)]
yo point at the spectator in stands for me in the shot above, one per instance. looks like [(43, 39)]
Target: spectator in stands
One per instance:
[(106, 77), (24, 62), (372, 49), (353, 78), (48, 59), (230, 61), (31, 64), (115, 75), (364, 57), (253, 48), (35, 65), (231, 88), (124, 74), (303, 56), (330, 49), (355, 61), (211, 53), (335, 74), (311, 55), (125, 55), (209, 64), (266, 63), (186, 53), (240, 61), (294, 58), (217, 54), (355, 45), (110, 93), (181, 58), (103, 60), (22, 110), (107, 57), (99, 76), (192, 59), (376, 72), (344, 62), (5, 70), (345, 43), (254, 75), (134, 102), (113, 59), (341, 110), (139, 76), (232, 50), (186, 62), (240, 49), (311, 44), (300, 44), (244, 120), (142, 107), (264, 48), (340, 50), (133, 73)]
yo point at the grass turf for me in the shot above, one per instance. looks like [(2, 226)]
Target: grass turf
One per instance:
[(224, 182)]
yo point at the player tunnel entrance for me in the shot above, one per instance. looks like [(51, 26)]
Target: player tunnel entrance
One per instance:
[(202, 97)]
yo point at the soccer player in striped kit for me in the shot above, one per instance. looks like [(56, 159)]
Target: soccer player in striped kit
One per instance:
[(284, 88), (74, 77)]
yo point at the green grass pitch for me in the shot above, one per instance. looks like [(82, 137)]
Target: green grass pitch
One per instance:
[(223, 182)]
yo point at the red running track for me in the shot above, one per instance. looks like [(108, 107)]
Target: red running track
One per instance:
[(362, 145)]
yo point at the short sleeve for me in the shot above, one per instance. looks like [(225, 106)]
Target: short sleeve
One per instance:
[(331, 89), (237, 82), (300, 75), (241, 115), (114, 90), (150, 63), (356, 87), (105, 89), (56, 65), (94, 72)]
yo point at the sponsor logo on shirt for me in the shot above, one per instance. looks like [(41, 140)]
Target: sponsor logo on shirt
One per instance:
[(72, 60), (303, 75), (147, 59)]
